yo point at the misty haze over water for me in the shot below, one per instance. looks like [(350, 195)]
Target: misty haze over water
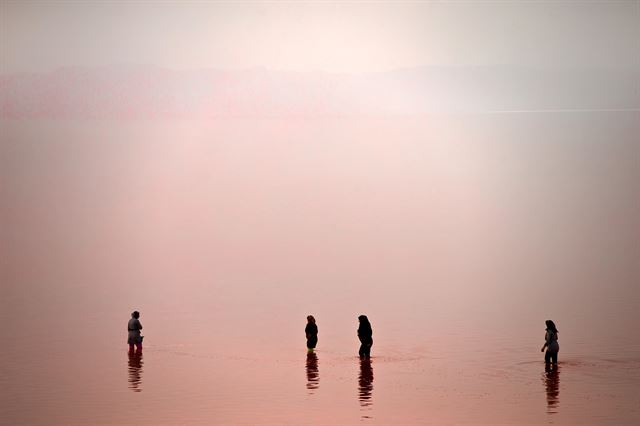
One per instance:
[(459, 172), (457, 234)]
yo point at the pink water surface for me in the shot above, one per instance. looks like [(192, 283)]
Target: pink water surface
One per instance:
[(457, 235)]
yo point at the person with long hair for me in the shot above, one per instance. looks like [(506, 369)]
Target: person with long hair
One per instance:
[(311, 331), (551, 343), (365, 334)]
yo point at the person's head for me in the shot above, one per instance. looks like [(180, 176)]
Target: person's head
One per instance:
[(363, 318), (311, 319), (551, 326), (135, 314)]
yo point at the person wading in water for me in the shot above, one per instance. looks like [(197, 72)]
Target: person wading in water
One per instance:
[(133, 327), (311, 331), (551, 343), (365, 334)]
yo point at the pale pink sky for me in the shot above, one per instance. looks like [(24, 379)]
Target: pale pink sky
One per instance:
[(329, 36)]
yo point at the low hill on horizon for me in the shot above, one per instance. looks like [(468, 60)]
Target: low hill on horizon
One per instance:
[(141, 91)]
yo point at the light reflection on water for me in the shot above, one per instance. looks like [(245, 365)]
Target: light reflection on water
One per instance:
[(551, 380), (135, 371), (313, 376), (365, 384)]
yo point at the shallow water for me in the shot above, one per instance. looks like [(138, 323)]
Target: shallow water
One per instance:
[(457, 235)]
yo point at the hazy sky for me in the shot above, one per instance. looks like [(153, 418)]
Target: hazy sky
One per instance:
[(330, 36)]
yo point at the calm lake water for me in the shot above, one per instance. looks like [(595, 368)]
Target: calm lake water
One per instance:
[(457, 235)]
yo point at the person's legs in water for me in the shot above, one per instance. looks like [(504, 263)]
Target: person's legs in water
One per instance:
[(554, 357), (365, 350), (139, 347), (311, 344), (130, 348)]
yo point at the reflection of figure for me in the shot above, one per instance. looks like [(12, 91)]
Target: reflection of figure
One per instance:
[(313, 377), (365, 334), (552, 384), (133, 327), (365, 382), (135, 371), (311, 331), (551, 343)]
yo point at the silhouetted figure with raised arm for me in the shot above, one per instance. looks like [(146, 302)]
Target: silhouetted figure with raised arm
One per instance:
[(551, 343), (311, 331), (365, 334), (134, 327)]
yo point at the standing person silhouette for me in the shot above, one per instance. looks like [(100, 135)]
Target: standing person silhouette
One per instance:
[(311, 331), (365, 334), (133, 327), (551, 343)]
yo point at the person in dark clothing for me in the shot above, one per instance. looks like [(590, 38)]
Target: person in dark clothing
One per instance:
[(311, 331), (365, 334), (551, 343), (133, 327)]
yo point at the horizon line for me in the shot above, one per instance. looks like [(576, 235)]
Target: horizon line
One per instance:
[(324, 71)]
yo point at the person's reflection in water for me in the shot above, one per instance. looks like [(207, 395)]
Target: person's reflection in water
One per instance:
[(313, 376), (365, 384), (551, 380), (135, 371)]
